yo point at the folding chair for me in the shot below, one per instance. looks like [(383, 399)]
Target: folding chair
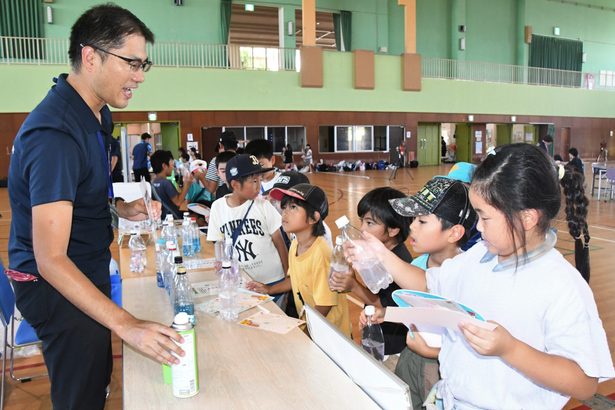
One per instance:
[(25, 335)]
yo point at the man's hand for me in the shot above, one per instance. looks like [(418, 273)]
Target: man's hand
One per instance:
[(152, 339), (137, 211)]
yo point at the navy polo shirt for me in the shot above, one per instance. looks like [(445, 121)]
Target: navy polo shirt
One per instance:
[(58, 157)]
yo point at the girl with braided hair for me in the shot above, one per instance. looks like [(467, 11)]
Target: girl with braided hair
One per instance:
[(572, 181), (549, 343)]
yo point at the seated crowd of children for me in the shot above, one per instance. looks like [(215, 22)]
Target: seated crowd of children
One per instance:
[(479, 234)]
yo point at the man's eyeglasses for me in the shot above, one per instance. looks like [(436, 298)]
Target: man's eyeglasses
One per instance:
[(134, 63)]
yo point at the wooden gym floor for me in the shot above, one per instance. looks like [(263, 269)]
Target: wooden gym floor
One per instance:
[(344, 192)]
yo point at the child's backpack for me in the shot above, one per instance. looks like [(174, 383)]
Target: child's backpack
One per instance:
[(381, 165)]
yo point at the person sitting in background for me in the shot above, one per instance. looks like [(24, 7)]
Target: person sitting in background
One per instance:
[(575, 160), (163, 164), (227, 142), (221, 161), (197, 191)]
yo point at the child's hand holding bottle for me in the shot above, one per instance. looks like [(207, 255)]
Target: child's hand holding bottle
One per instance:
[(377, 317)]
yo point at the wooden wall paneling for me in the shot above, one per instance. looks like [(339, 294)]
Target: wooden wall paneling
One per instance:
[(364, 70), (311, 67), (411, 72)]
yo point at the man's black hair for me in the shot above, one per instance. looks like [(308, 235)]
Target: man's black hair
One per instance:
[(159, 158), (260, 148), (145, 136), (228, 140), (105, 26), (224, 157)]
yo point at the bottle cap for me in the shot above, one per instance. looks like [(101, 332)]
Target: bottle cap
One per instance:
[(342, 221), (370, 310), (178, 259), (186, 214), (181, 318), (339, 240)]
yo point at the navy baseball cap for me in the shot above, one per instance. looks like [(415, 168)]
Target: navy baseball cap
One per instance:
[(311, 194), (242, 166)]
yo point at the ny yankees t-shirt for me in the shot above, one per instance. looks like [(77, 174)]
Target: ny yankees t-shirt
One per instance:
[(254, 247)]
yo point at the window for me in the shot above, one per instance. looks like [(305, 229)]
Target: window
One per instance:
[(295, 136), (380, 138), (255, 133), (354, 138), (239, 132), (326, 138), (278, 135)]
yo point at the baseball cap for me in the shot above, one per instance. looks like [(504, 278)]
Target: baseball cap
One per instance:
[(444, 197), (461, 171), (242, 166), (311, 194), (289, 179), (198, 164)]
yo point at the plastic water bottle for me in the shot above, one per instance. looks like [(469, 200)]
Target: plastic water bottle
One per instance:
[(137, 252), (231, 255), (197, 236), (161, 253), (183, 293), (187, 238), (168, 268), (229, 282), (228, 249), (168, 231), (372, 339), (338, 261), (368, 266)]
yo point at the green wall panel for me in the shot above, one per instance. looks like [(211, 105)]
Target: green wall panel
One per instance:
[(194, 21), (215, 89), (490, 34), (433, 21)]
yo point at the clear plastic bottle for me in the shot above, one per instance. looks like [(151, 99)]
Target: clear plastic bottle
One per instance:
[(161, 254), (168, 231), (196, 236), (229, 283), (137, 252), (368, 266), (372, 339), (187, 238), (338, 260), (231, 255), (169, 267), (183, 292)]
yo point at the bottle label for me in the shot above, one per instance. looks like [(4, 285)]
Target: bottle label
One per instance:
[(185, 375)]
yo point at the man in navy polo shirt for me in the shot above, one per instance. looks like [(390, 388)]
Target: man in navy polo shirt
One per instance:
[(59, 188), (140, 158)]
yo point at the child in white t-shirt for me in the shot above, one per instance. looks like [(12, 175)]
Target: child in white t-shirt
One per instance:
[(252, 223), (549, 343)]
